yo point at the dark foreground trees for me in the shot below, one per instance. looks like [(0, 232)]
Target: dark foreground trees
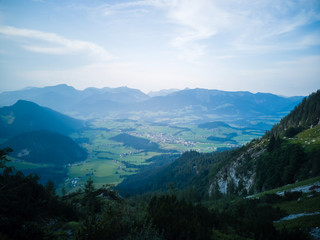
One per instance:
[(178, 219), (29, 210)]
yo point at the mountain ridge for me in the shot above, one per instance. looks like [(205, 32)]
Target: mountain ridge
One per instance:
[(25, 116), (125, 102)]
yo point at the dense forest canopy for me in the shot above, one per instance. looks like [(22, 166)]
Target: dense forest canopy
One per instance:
[(303, 116)]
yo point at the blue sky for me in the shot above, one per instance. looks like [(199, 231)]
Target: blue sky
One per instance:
[(234, 45)]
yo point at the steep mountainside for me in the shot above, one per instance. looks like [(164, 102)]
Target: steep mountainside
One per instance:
[(189, 169), (26, 116), (262, 164), (304, 116), (275, 160)]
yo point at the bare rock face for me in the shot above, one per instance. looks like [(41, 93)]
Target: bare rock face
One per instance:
[(238, 175)]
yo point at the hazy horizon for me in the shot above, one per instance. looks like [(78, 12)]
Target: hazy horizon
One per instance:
[(152, 91)]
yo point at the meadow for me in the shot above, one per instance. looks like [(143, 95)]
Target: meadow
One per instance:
[(110, 161)]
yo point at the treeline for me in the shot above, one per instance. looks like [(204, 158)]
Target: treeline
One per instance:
[(303, 116)]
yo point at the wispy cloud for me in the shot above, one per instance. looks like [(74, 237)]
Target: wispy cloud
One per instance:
[(58, 44), (190, 18), (111, 8), (198, 20), (272, 25), (242, 25)]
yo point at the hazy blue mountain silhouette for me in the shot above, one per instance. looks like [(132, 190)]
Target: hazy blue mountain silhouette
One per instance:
[(222, 102), (67, 99), (25, 116), (123, 100)]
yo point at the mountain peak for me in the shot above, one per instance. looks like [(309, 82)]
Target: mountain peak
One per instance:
[(21, 101), (26, 116), (25, 104)]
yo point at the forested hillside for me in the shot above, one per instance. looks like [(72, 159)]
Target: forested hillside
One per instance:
[(303, 116), (45, 147), (293, 149), (266, 163), (45, 152), (189, 170)]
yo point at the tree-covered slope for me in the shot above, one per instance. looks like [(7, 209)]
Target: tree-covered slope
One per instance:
[(305, 115), (276, 160), (25, 116), (45, 147), (191, 169), (265, 163)]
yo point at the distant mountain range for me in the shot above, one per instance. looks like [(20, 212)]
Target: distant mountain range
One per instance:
[(163, 92), (25, 116), (200, 105), (66, 99), (231, 104)]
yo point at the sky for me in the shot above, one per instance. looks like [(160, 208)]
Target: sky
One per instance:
[(232, 45)]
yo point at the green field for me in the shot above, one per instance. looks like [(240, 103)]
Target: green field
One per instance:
[(309, 139), (107, 160), (22, 165)]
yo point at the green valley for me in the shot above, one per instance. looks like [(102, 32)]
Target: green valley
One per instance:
[(118, 148)]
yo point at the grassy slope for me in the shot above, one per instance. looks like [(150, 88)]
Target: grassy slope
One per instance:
[(308, 203), (289, 187)]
